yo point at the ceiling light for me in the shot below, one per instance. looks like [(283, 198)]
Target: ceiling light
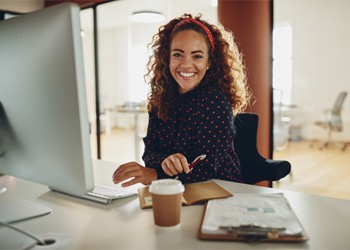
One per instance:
[(147, 16)]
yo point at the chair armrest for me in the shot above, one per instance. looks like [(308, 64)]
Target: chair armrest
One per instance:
[(265, 170)]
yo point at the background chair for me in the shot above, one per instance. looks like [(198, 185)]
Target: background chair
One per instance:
[(333, 122), (254, 167), (281, 123)]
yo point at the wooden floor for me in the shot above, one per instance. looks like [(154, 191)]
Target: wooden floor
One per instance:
[(322, 172)]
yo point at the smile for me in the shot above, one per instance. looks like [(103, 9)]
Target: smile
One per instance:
[(184, 74)]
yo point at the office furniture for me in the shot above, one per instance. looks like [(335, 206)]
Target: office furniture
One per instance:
[(139, 127), (332, 121), (254, 167), (105, 120), (281, 123), (123, 225)]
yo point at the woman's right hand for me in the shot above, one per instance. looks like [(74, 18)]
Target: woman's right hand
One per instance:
[(135, 172), (175, 164)]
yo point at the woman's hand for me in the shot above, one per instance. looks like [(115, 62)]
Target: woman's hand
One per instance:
[(136, 172), (175, 164)]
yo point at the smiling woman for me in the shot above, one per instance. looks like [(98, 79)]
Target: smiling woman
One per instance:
[(197, 82), (121, 64), (189, 59)]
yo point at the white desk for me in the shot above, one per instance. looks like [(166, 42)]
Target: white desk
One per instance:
[(123, 225)]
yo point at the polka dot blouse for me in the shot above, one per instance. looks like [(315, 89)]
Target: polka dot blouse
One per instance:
[(201, 123)]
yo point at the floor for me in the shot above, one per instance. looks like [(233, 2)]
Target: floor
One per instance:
[(321, 172), (118, 146)]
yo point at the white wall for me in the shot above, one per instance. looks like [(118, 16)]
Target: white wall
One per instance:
[(321, 59)]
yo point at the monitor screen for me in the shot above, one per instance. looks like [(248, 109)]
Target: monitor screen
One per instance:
[(44, 129)]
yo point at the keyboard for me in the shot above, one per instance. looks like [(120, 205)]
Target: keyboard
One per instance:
[(110, 193), (102, 194)]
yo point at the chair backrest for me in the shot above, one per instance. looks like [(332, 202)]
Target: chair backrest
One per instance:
[(245, 144), (335, 119), (254, 167), (338, 105)]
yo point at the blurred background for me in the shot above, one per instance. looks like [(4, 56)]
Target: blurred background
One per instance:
[(311, 67)]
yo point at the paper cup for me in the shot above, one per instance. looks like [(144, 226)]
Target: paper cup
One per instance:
[(166, 201)]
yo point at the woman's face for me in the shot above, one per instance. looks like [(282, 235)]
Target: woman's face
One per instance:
[(189, 59)]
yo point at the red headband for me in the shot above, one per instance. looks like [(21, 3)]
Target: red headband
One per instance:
[(205, 28)]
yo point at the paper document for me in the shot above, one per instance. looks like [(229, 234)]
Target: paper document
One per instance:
[(260, 210)]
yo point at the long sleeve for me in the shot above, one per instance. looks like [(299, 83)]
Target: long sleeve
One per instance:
[(201, 123), (152, 155), (215, 137)]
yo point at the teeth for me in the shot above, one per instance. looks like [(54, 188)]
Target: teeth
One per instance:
[(184, 74)]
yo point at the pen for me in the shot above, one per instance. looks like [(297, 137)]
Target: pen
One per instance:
[(194, 163)]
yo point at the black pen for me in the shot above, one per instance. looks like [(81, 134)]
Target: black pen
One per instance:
[(194, 163)]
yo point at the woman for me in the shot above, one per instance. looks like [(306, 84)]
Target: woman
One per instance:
[(197, 82)]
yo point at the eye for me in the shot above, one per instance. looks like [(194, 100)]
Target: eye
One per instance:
[(198, 56), (176, 54)]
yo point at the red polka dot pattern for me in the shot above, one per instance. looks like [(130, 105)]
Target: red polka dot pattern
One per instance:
[(201, 123)]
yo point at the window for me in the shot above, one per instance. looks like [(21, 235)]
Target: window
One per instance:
[(282, 63)]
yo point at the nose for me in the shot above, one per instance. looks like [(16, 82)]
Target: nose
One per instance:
[(187, 62)]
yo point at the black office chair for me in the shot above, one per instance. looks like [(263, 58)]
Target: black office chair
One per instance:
[(254, 167), (333, 122)]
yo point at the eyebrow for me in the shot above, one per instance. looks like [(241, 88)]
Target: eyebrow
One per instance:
[(193, 52)]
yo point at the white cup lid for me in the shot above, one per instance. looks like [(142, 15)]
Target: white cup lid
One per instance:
[(166, 186)]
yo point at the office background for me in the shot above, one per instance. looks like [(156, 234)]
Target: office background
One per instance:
[(319, 70), (320, 59), (320, 54)]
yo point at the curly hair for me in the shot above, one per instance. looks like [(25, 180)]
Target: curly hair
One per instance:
[(226, 70)]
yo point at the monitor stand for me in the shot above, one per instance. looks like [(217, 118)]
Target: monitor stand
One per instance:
[(2, 189), (14, 210)]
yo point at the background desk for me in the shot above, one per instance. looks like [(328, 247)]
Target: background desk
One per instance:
[(123, 225), (139, 133)]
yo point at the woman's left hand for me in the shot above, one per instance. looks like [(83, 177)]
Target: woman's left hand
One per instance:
[(175, 164), (136, 172)]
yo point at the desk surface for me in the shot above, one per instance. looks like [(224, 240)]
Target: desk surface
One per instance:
[(123, 225)]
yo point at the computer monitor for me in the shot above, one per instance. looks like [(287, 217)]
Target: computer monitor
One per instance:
[(44, 129)]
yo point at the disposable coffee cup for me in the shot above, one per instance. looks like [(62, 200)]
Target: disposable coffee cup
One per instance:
[(166, 201)]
